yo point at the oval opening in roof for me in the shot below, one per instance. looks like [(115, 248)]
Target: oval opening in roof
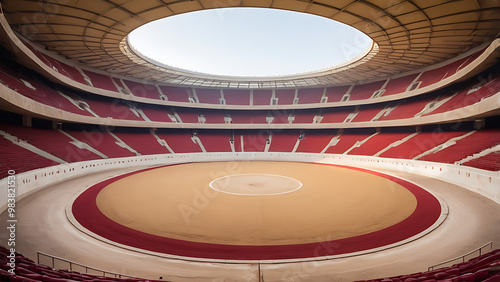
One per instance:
[(248, 42)]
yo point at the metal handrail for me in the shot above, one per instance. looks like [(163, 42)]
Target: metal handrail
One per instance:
[(463, 256), (87, 268)]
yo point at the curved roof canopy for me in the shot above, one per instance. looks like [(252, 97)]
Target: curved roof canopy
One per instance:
[(408, 35)]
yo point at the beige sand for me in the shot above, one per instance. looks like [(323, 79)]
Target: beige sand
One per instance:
[(255, 184), (333, 203)]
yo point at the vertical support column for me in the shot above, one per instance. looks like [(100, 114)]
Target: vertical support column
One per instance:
[(479, 124), (27, 121), (56, 125)]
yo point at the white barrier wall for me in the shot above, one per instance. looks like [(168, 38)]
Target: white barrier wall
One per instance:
[(482, 182)]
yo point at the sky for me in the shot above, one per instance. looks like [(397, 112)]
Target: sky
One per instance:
[(249, 42)]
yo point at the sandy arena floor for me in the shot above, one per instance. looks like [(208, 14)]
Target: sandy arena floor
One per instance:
[(333, 202)]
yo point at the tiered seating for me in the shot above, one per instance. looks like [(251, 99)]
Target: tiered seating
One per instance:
[(61, 67), (72, 73), (179, 140), (37, 53), (253, 141), (214, 116), (452, 68), (490, 161), (367, 113), (58, 66), (177, 94), (101, 81), (365, 91), (471, 59), (208, 96), (474, 143), (237, 97), (347, 139), (19, 159), (335, 115), (470, 95), (68, 99), (30, 87), (120, 85), (51, 141), (311, 95), (483, 268), (144, 90), (237, 142), (285, 96), (142, 141), (283, 141), (65, 69), (377, 143), (304, 116), (111, 108), (157, 113), (49, 61), (399, 85), (102, 142), (215, 140), (122, 109), (446, 99), (262, 97), (188, 115), (12, 79), (408, 108), (27, 270), (336, 93), (435, 75), (280, 116), (420, 143), (314, 142)]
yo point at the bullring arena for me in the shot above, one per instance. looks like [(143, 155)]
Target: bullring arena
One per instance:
[(271, 216), (385, 166)]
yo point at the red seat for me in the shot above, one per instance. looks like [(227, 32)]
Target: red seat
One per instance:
[(441, 275), (34, 276), (495, 278), (468, 277), (5, 274), (482, 274), (46, 278), (21, 271), (16, 278)]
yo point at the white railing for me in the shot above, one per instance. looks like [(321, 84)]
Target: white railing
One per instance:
[(462, 258), (74, 266)]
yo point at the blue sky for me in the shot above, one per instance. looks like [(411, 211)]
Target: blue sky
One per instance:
[(249, 42)]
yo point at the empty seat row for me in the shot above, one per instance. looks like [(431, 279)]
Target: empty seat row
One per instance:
[(483, 268), (74, 145), (26, 270)]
